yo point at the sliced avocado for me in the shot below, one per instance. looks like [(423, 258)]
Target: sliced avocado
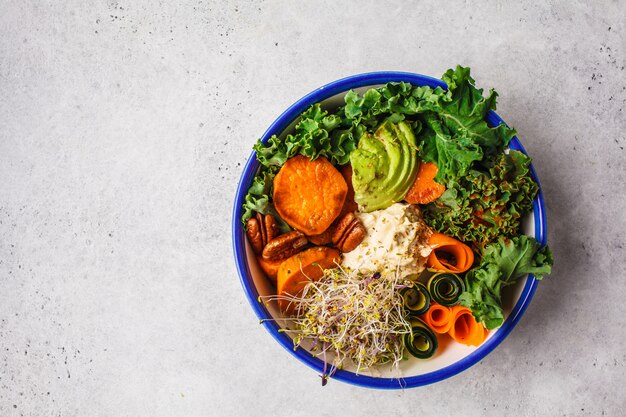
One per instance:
[(384, 166)]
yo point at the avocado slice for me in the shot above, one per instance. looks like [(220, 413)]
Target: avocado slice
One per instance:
[(384, 166)]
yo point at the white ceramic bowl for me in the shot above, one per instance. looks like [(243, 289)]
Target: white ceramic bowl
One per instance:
[(413, 372)]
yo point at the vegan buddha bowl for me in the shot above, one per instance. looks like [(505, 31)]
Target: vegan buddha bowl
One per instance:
[(389, 228)]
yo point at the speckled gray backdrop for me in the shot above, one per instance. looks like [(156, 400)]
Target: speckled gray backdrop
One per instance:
[(124, 127)]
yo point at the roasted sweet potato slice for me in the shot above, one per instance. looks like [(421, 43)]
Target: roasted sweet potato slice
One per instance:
[(270, 267), (295, 272), (309, 195), (425, 190)]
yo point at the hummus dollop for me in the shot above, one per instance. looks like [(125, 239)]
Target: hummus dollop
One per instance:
[(397, 238)]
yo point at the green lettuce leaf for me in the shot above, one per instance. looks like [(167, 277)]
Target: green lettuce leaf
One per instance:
[(518, 256), (502, 264)]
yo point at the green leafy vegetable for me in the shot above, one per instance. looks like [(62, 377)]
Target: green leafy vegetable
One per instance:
[(334, 136), (318, 133), (486, 203), (457, 133), (393, 101), (257, 199), (502, 264), (453, 155), (467, 109)]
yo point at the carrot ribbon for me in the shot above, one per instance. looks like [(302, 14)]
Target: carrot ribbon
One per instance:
[(465, 329), (449, 255), (438, 318), (457, 321)]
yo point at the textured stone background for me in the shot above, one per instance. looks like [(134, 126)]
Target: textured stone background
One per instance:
[(124, 127)]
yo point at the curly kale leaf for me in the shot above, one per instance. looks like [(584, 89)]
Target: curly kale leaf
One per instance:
[(458, 133), (394, 101), (257, 200), (316, 134), (487, 203), (454, 154)]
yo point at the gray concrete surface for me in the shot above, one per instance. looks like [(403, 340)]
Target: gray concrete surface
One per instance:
[(124, 127)]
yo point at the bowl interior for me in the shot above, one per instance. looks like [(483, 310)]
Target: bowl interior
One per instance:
[(451, 357)]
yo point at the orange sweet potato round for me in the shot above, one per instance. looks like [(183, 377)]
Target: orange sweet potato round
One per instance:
[(269, 267), (309, 195), (295, 272), (425, 190)]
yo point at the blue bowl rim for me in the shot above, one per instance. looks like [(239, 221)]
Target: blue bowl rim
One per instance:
[(239, 249)]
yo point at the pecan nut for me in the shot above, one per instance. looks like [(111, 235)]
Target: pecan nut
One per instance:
[(349, 233), (269, 229), (254, 235), (284, 246), (261, 230)]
